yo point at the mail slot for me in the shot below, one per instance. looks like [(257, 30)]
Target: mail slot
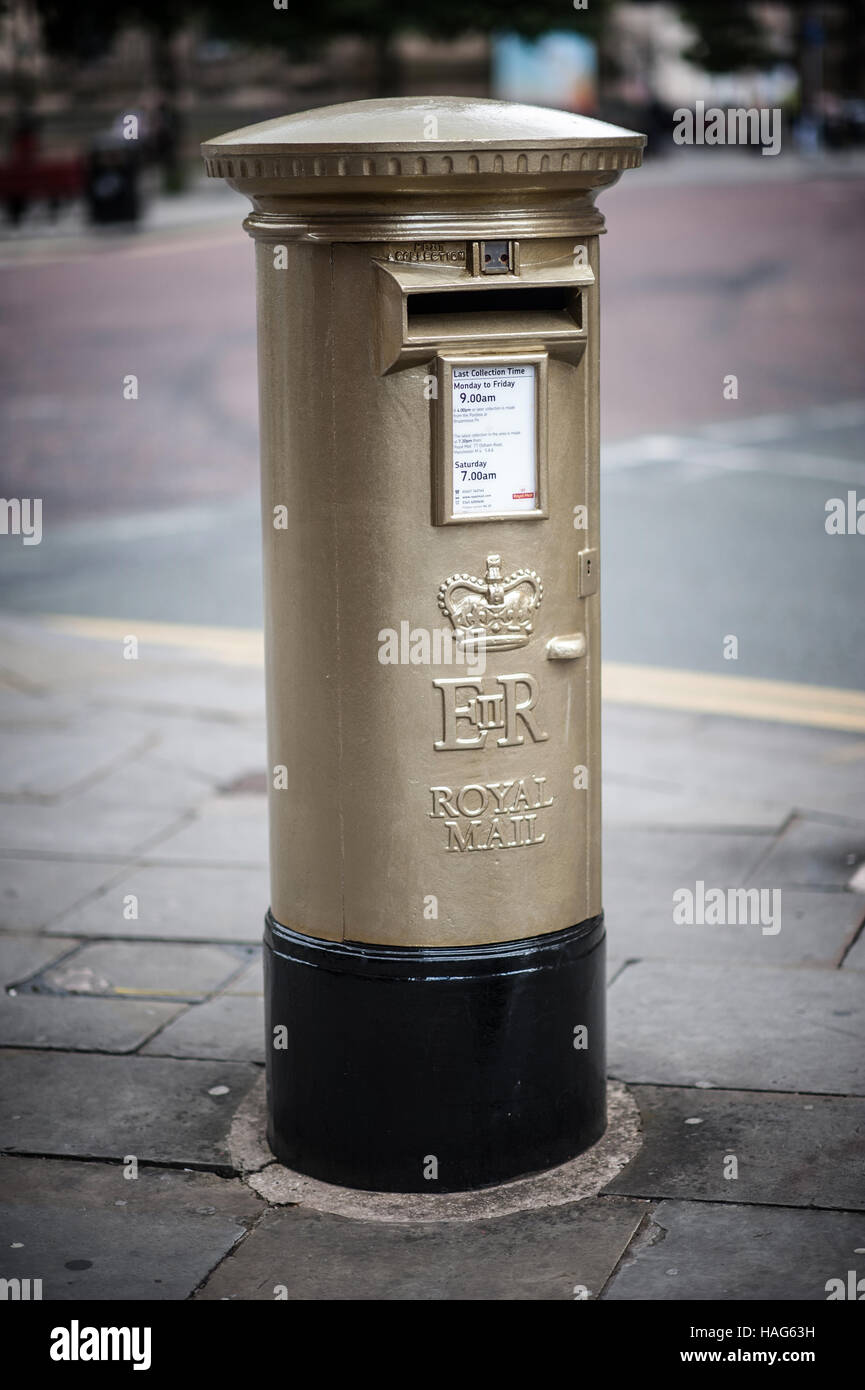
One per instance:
[(428, 314), (421, 307), (534, 300)]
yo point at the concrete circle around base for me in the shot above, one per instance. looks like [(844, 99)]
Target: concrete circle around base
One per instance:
[(571, 1182)]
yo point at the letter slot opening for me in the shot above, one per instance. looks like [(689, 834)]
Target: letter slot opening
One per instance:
[(460, 314), (422, 310)]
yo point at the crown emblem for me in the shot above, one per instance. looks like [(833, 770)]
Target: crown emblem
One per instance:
[(492, 614)]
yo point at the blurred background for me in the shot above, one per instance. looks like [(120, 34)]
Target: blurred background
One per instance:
[(733, 356)]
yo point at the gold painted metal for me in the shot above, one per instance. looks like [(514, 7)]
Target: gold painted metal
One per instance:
[(443, 513), (567, 648), (403, 337), (589, 572), (495, 258), (492, 614), (429, 794)]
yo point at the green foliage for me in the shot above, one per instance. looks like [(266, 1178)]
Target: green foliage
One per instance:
[(728, 37), (88, 33), (383, 19), (300, 26), (728, 33)]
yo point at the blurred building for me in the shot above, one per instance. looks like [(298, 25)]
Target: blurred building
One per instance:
[(640, 68)]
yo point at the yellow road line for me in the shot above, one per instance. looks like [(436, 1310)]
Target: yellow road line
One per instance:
[(237, 646), (657, 687), (741, 697)]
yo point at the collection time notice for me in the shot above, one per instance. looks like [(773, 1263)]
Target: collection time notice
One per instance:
[(495, 463)]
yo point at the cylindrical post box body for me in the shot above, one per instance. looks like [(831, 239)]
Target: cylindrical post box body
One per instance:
[(427, 277)]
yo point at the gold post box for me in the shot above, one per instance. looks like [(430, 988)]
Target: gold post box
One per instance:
[(427, 274)]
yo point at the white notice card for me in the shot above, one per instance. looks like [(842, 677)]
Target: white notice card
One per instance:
[(495, 466)]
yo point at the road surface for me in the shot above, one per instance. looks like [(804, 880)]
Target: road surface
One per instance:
[(714, 508)]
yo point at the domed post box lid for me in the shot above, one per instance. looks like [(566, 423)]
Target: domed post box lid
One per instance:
[(447, 152)]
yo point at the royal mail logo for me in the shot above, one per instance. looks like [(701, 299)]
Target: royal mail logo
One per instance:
[(491, 815), (475, 707), (493, 613)]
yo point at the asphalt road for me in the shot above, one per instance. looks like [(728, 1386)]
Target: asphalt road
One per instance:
[(714, 509)]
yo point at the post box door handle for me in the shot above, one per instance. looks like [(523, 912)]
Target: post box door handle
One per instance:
[(567, 647)]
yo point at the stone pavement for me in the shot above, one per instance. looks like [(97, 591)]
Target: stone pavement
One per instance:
[(131, 1038), (203, 205)]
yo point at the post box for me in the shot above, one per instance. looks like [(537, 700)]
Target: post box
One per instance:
[(427, 273)]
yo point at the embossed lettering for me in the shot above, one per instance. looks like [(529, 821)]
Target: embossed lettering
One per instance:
[(462, 800), (428, 251), (466, 841), (506, 709), (454, 714), (516, 710), (440, 799), (519, 829), (491, 815)]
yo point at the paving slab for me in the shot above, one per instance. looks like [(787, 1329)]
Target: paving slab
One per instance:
[(229, 1026), (35, 707), (251, 980), (815, 923), (185, 686), (226, 830), (528, 1256), (194, 902), (165, 781), (718, 760), (817, 926), (166, 679), (87, 1105), (703, 1251), (677, 1023), (88, 1232), (655, 862), (219, 753), (23, 956), (855, 958), (614, 965), (813, 854), (122, 813), (46, 660), (82, 1025), (748, 1146), (34, 892), (630, 801), (44, 763), (172, 970), (643, 869)]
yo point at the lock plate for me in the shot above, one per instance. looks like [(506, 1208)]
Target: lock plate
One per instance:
[(588, 573), (497, 257)]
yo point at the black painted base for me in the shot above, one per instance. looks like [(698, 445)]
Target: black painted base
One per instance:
[(402, 1069)]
